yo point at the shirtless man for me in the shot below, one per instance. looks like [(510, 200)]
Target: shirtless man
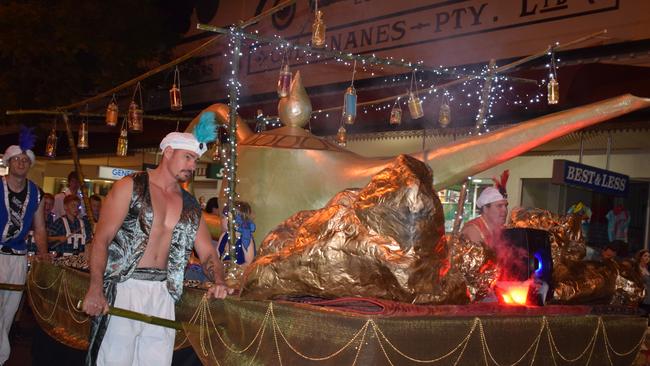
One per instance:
[(144, 273), (488, 227)]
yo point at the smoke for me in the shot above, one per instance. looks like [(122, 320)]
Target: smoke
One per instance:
[(512, 260)]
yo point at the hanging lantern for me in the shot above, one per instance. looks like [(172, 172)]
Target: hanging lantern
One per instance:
[(444, 118), (175, 101), (123, 141), (553, 90), (216, 156), (111, 113), (415, 106), (134, 118), (83, 135), (284, 81), (318, 31), (134, 115), (350, 105), (50, 147), (342, 136), (396, 114)]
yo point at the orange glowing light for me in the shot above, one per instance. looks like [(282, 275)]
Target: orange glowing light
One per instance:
[(513, 293)]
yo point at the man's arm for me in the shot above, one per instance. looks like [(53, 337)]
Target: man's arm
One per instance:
[(117, 203), (40, 232), (212, 266)]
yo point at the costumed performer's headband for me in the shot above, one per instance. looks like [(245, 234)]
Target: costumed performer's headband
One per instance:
[(204, 132), (496, 193), (26, 142)]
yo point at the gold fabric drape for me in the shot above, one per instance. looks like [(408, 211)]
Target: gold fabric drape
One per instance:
[(54, 292), (238, 332)]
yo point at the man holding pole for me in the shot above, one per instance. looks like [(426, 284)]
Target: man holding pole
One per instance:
[(144, 236), (22, 210)]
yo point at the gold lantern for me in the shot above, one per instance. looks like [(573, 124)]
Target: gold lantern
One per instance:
[(444, 118), (175, 101), (284, 81), (396, 114), (415, 106), (318, 30), (342, 136), (216, 155), (50, 146), (414, 102), (553, 90), (83, 135), (134, 115), (123, 141), (112, 113)]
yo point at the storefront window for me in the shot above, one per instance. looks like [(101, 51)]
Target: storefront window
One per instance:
[(608, 218)]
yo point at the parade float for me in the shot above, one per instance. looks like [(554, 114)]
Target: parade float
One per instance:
[(370, 277), (355, 267)]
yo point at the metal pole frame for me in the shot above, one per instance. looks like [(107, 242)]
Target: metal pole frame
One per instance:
[(231, 163)]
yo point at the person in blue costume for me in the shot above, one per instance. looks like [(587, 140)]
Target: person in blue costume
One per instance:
[(139, 253), (70, 232), (22, 210), (244, 229)]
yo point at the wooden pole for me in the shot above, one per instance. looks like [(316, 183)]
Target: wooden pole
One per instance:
[(77, 166), (150, 319), (11, 287)]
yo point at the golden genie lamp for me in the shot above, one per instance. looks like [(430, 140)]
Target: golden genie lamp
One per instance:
[(286, 170), (323, 238)]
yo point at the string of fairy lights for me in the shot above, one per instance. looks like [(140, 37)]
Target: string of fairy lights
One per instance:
[(349, 108), (494, 88), (230, 164)]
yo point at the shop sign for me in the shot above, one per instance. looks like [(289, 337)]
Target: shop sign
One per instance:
[(589, 177), (108, 172), (214, 171), (437, 32), (208, 172)]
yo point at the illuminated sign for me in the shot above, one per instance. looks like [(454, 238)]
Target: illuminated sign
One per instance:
[(591, 178), (108, 172)]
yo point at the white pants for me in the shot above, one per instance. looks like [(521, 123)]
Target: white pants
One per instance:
[(131, 342), (13, 270)]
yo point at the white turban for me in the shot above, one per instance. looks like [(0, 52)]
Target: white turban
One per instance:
[(489, 195), (14, 150), (184, 141)]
